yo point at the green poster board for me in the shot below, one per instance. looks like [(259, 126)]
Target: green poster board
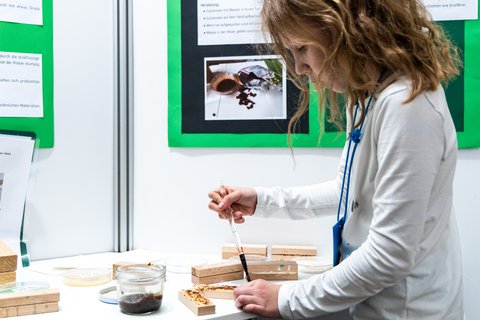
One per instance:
[(462, 94), (35, 39)]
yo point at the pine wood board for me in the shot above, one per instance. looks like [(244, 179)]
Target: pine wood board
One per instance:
[(195, 301), (224, 277), (294, 250), (6, 277), (29, 298), (8, 258), (29, 309)]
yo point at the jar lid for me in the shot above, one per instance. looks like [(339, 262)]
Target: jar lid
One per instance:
[(140, 272)]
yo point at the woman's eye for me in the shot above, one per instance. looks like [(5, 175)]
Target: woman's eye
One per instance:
[(301, 48)]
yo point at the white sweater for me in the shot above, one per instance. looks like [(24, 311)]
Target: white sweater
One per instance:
[(405, 260)]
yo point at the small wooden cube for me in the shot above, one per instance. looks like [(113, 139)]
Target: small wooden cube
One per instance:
[(8, 258), (230, 250), (195, 301)]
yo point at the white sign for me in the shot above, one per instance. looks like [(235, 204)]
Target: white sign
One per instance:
[(15, 162), (21, 92), (21, 11), (452, 9), (223, 22)]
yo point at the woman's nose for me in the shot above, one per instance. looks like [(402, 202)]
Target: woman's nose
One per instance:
[(300, 67)]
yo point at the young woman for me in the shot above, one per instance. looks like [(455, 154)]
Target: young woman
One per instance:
[(397, 252)]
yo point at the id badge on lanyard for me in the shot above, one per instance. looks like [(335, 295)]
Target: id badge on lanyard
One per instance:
[(355, 137)]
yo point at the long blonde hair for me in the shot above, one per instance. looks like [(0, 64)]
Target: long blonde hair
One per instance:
[(398, 36)]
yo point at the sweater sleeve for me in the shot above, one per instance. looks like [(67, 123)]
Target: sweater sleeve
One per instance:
[(410, 142), (303, 202)]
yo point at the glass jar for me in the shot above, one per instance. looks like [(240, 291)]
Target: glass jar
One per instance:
[(140, 288)]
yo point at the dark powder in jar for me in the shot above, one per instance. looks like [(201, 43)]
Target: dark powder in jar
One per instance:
[(140, 303)]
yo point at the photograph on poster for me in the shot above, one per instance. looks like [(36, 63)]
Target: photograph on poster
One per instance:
[(245, 88)]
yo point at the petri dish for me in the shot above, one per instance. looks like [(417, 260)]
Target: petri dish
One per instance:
[(108, 295), (313, 264), (87, 277), (181, 264)]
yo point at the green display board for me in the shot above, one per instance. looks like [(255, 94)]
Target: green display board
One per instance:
[(187, 126), (33, 39)]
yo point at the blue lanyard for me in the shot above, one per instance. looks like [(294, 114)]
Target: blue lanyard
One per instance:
[(355, 136)]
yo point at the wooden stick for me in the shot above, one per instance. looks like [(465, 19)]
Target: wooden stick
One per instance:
[(196, 302)]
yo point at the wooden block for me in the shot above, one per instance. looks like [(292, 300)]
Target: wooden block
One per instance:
[(26, 298), (8, 258), (119, 264), (237, 275), (6, 277), (215, 291), (281, 257), (274, 276), (230, 250), (272, 266), (212, 269), (28, 309), (196, 302), (273, 270), (294, 250)]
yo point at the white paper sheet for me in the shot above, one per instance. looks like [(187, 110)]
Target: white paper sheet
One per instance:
[(452, 9), (22, 11), (229, 22), (15, 161), (21, 93)]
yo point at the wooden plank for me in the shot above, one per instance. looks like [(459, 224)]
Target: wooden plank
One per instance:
[(224, 277), (230, 250), (281, 257), (273, 270), (195, 301), (294, 250), (28, 309), (216, 268), (6, 277), (272, 266), (216, 291), (8, 258), (274, 276), (26, 298)]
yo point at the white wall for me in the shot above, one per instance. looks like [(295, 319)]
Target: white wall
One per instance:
[(70, 199), (171, 184)]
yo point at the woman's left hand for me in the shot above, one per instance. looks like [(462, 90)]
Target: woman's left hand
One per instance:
[(259, 297)]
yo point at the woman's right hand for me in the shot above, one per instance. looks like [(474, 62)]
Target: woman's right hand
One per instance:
[(240, 202)]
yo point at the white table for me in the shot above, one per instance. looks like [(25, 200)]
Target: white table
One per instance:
[(83, 302)]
